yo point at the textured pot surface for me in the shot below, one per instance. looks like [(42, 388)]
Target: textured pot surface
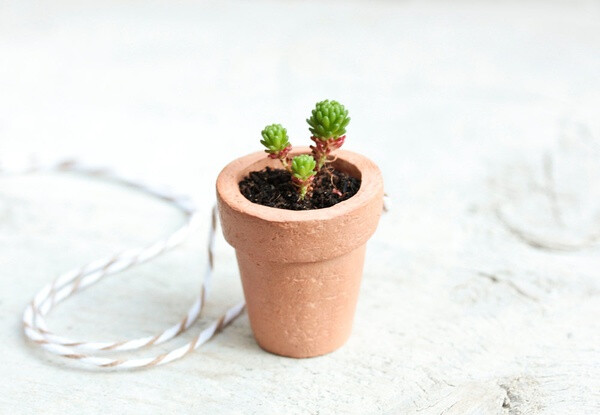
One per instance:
[(300, 270)]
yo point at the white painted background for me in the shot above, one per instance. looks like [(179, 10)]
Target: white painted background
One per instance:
[(481, 292)]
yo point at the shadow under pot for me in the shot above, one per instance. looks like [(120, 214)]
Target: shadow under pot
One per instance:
[(300, 270)]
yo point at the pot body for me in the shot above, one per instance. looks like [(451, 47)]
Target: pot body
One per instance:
[(300, 270)]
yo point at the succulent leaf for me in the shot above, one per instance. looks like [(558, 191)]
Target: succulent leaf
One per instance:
[(303, 167), (275, 138)]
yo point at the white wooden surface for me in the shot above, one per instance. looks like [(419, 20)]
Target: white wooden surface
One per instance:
[(481, 292)]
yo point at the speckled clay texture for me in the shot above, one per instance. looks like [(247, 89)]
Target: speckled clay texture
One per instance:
[(300, 270)]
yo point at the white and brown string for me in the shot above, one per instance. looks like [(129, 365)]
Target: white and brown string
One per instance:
[(93, 352)]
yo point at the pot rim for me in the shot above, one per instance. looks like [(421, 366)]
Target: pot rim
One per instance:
[(228, 188)]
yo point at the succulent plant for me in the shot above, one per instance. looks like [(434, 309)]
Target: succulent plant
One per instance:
[(303, 172), (275, 138), (277, 144), (303, 167), (328, 124), (328, 120)]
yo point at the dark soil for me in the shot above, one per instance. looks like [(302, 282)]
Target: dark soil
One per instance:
[(274, 188)]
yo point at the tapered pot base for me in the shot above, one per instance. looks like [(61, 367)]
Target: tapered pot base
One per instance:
[(302, 309)]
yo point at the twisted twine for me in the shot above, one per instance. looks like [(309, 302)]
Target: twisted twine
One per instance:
[(72, 282)]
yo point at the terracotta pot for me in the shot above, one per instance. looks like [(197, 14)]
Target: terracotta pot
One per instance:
[(300, 270)]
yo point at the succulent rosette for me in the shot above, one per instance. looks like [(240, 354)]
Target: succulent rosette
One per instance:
[(329, 120), (277, 143), (327, 125), (303, 172)]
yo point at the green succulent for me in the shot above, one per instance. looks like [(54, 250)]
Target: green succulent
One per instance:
[(328, 120), (303, 170), (303, 167), (275, 138)]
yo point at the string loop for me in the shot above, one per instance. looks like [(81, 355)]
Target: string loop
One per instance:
[(72, 282)]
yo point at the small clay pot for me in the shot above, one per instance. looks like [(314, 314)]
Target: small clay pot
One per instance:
[(300, 270)]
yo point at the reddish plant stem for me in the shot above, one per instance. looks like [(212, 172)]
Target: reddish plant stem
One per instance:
[(323, 148), (305, 186), (283, 158)]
